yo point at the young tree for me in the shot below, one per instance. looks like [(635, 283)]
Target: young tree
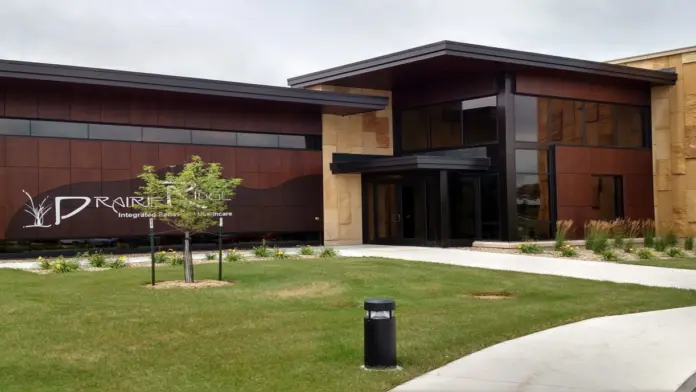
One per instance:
[(188, 201)]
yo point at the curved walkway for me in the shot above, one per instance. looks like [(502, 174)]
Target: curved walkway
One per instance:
[(650, 351), (593, 270)]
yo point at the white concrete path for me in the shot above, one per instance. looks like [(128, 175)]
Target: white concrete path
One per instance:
[(639, 352), (594, 270)]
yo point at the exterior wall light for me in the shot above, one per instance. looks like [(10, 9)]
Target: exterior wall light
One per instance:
[(380, 333)]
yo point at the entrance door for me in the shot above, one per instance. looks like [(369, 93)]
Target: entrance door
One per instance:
[(465, 209), (396, 211)]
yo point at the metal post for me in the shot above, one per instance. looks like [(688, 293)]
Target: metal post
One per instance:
[(220, 250), (152, 248)]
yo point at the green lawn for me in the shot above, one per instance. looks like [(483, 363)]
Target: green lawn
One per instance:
[(681, 263), (287, 325)]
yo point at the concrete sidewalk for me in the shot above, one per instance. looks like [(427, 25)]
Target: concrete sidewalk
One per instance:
[(639, 352), (593, 270)]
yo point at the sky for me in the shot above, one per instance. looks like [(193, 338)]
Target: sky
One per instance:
[(268, 41)]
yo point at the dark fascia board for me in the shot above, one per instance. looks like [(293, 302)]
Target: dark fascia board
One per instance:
[(478, 52), (376, 164), (137, 80)]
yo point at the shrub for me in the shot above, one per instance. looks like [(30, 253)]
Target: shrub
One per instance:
[(562, 228), (233, 256), (689, 243), (609, 255), (675, 252), (176, 259), (660, 244), (619, 242), (280, 254), (161, 257), (629, 246), (44, 264), (262, 250), (597, 232), (117, 263), (307, 250), (648, 227), (600, 243), (96, 259), (645, 254), (210, 256), (568, 251), (328, 253), (671, 238), (61, 266)]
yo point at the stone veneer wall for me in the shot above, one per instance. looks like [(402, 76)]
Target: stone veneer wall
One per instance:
[(674, 142), (367, 133)]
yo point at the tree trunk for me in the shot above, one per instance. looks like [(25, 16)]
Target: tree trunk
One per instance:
[(188, 260)]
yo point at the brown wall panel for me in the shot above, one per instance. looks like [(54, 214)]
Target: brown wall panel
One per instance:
[(533, 83), (21, 152), (53, 105), (281, 191), (445, 90), (2, 151), (21, 103), (575, 167), (2, 101), (85, 154), (54, 153)]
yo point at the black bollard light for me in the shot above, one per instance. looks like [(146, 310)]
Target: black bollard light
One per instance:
[(380, 333)]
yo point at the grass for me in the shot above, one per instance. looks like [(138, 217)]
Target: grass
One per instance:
[(680, 263), (284, 326)]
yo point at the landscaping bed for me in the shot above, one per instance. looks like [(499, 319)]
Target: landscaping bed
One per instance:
[(284, 325)]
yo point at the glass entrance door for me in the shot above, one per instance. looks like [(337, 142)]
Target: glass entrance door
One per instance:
[(396, 210)]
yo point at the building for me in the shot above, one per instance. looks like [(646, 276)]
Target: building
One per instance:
[(438, 145)]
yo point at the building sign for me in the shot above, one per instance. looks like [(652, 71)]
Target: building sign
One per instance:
[(41, 212)]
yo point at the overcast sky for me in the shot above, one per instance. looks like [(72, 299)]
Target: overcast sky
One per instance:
[(267, 41)]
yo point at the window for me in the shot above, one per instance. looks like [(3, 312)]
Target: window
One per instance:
[(10, 126), (479, 121), (631, 122), (565, 121), (580, 123), (292, 141), (414, 129), (217, 138), (606, 197), (257, 140), (73, 130), (599, 124), (530, 119), (58, 129), (490, 207), (164, 135), (445, 125), (115, 132), (452, 124), (533, 196)]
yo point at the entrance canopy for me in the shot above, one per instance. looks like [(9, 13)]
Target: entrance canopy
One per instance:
[(354, 163)]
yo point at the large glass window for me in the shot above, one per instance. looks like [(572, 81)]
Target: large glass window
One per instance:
[(573, 122), (451, 124), (599, 124), (490, 207), (631, 124), (565, 121), (531, 114), (533, 197)]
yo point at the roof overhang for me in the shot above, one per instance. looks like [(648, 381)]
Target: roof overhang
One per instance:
[(330, 102), (497, 58), (354, 163)]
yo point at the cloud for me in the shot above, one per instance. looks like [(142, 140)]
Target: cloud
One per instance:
[(267, 41)]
